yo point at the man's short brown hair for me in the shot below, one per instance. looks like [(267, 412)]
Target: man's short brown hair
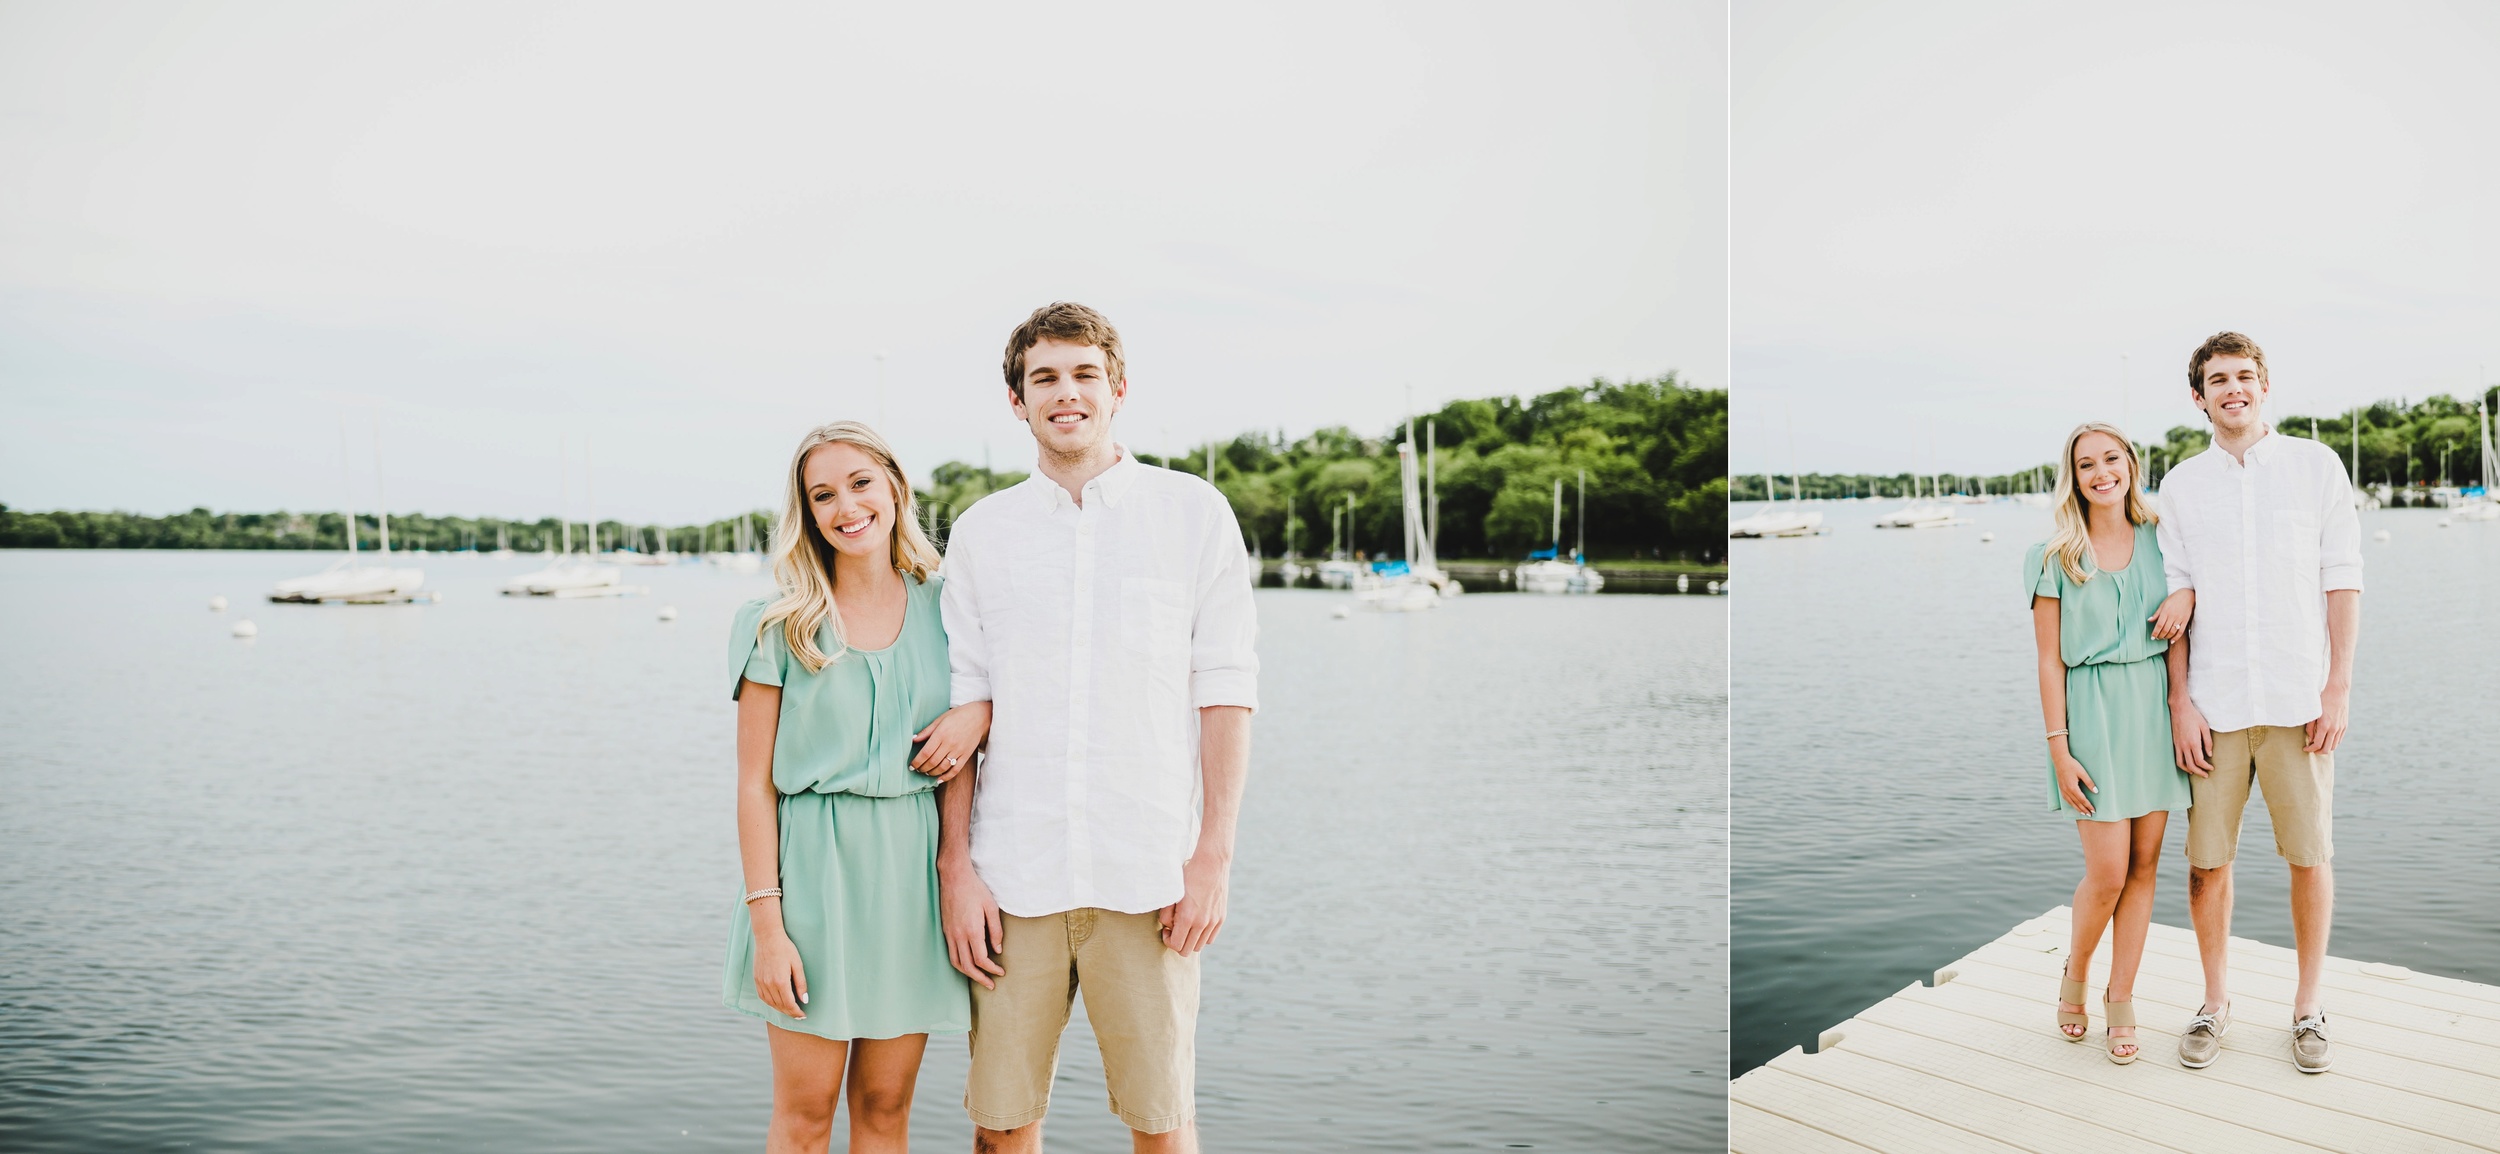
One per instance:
[(1065, 321), (2223, 345)]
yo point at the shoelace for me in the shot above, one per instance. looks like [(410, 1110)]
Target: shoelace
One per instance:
[(2313, 1024), (2205, 1022)]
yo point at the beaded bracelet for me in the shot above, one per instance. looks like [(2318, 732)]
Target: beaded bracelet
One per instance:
[(2054, 734), (770, 893)]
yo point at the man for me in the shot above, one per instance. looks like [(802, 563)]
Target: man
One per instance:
[(2261, 527), (1103, 608)]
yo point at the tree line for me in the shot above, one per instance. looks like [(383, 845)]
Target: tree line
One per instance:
[(2427, 443), (1652, 455)]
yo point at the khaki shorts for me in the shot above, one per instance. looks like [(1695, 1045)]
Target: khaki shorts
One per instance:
[(2299, 788), (1141, 998)]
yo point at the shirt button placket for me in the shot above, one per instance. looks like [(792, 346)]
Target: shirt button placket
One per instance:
[(2248, 587), (1080, 697)]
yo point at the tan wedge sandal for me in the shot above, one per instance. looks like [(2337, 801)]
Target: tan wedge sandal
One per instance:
[(2072, 992), (2119, 1015)]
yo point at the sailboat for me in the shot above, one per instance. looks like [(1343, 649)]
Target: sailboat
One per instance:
[(346, 581), (1547, 572), (1416, 581), (568, 575), (743, 558), (1920, 513), (2483, 503), (1794, 521)]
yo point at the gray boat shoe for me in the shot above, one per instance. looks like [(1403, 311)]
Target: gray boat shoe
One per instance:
[(2201, 1042), (2310, 1051)]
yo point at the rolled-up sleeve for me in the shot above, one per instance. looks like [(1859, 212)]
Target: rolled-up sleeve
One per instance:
[(2172, 538), (2339, 536), (1223, 637), (967, 652)]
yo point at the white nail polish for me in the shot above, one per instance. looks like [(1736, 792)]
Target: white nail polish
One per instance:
[(802, 999)]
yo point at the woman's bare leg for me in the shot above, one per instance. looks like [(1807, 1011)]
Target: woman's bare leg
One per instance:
[(807, 1085), (883, 1072), (2133, 917), (2096, 898)]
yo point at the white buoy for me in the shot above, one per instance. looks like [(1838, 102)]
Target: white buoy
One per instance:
[(1341, 613), (668, 613), (216, 604), (1683, 582), (245, 628), (2443, 522), (2381, 535), (1714, 586), (1984, 538)]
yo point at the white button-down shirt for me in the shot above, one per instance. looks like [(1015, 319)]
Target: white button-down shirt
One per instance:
[(1096, 632), (2261, 543)]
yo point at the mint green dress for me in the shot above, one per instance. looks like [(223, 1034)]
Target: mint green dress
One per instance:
[(2117, 688), (858, 832)]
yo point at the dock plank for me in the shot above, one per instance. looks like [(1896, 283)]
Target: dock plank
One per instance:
[(1753, 1130), (1976, 1059), (1875, 1124)]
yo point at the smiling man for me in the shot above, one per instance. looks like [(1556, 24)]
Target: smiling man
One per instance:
[(1103, 607), (2262, 528)]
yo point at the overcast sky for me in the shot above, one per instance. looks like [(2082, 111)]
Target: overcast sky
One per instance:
[(684, 232), (1961, 228)]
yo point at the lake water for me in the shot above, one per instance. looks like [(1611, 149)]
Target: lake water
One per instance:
[(457, 876), (1887, 772)]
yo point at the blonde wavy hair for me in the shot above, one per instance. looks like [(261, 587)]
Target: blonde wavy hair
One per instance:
[(803, 559), (2071, 540)]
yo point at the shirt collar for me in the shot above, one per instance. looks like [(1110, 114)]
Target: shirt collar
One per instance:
[(1109, 486)]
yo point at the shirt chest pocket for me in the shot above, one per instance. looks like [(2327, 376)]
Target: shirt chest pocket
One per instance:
[(1154, 616), (2294, 549)]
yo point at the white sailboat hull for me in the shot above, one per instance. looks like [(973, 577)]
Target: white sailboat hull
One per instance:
[(1405, 594), (563, 580), (1920, 517), (1557, 577), (1778, 523), (350, 582)]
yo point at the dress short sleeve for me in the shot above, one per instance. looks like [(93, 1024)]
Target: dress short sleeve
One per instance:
[(2042, 577), (763, 660)]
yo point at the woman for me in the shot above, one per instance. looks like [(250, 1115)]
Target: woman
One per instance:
[(835, 679), (2095, 586)]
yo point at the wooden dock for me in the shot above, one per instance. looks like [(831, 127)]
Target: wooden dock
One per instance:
[(1975, 1062)]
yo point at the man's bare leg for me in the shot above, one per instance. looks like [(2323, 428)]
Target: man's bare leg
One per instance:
[(1025, 1139), (2209, 906), (2313, 915), (1183, 1140)]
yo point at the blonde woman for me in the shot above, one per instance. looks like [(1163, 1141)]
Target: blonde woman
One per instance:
[(2098, 613), (836, 945)]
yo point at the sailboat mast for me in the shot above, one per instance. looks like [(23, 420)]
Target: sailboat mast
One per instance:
[(590, 502), (1558, 516), (564, 493), (383, 508), (347, 480), (1580, 548), (1406, 500), (1432, 495)]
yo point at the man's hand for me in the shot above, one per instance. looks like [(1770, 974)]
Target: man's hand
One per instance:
[(2170, 621), (2191, 741), (969, 917), (2327, 731), (1190, 924)]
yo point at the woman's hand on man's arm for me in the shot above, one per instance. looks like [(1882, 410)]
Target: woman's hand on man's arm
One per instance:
[(2170, 621), (947, 745)]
